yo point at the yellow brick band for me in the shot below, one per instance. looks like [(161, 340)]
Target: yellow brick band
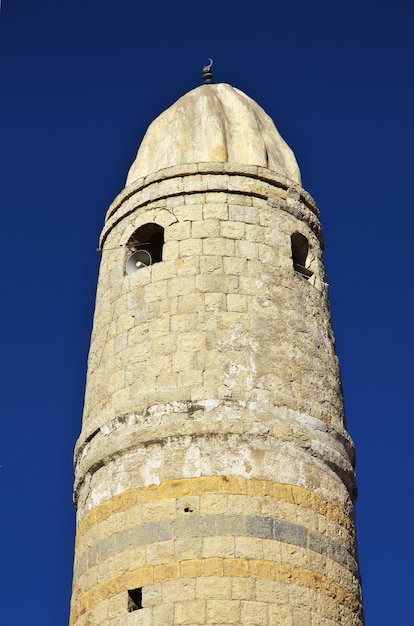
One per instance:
[(235, 485), (196, 568)]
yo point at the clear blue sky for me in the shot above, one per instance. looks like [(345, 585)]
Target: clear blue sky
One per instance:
[(80, 82)]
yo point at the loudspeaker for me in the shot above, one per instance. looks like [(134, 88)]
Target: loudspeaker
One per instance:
[(140, 258)]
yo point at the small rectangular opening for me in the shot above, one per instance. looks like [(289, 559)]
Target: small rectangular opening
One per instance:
[(134, 599)]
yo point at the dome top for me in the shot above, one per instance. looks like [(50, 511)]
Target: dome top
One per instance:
[(214, 123)]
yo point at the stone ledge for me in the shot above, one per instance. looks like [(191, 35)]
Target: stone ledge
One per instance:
[(150, 190)]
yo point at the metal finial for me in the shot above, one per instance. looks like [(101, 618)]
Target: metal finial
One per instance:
[(207, 73)]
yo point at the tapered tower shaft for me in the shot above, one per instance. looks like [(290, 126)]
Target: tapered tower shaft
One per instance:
[(214, 472)]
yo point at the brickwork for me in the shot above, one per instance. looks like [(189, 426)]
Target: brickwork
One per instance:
[(214, 470)]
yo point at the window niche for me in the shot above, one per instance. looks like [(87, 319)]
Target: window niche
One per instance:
[(145, 247), (134, 599), (300, 255)]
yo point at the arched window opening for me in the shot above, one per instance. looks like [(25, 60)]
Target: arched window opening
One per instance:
[(300, 254), (145, 246)]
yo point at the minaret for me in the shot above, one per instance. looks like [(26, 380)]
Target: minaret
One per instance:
[(214, 472)]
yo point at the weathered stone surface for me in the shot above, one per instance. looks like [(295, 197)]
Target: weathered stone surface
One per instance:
[(213, 124), (214, 470)]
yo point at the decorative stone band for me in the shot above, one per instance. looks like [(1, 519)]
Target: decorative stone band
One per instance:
[(235, 485), (231, 567), (217, 525), (248, 180)]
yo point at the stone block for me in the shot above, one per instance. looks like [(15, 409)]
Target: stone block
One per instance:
[(205, 228), (254, 613), (143, 617), (187, 504), (248, 547), (163, 614), (145, 534), (184, 322), (247, 249), (165, 344), (243, 213), (190, 303), (217, 282), (223, 611), (125, 540), (81, 565), (236, 567), (242, 588), (178, 231), (183, 589), (186, 266), (180, 286), (155, 291), (237, 200), (212, 204), (213, 504), (152, 595), (290, 533), (195, 527), (303, 617), (258, 233), (210, 167), (261, 568), (163, 530), (183, 361), (258, 526), (234, 265), (175, 488), (293, 555), (212, 198), (271, 549), (106, 548), (191, 612), (191, 247), (163, 271), (189, 212), (281, 615), (212, 567), (317, 543), (232, 484), (219, 546), (230, 525), (236, 302), (170, 251), (121, 341), (192, 568), (167, 571), (195, 199), (211, 264), (191, 377), (219, 246), (232, 229), (156, 365), (158, 327), (213, 587), (188, 549), (215, 301)]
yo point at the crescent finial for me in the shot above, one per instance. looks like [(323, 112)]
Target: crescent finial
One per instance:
[(207, 73)]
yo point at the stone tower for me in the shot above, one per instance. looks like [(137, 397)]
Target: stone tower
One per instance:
[(214, 472)]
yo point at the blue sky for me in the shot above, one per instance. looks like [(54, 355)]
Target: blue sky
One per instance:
[(80, 81)]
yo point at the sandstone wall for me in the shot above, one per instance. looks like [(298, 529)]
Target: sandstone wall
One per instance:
[(214, 470)]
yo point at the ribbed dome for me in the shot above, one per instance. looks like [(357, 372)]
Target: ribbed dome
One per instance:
[(214, 123)]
